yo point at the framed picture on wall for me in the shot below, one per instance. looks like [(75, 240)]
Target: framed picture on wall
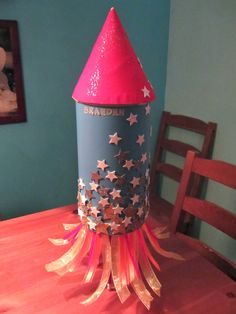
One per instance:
[(12, 104)]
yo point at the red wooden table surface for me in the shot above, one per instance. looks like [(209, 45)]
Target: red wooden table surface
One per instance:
[(190, 286)]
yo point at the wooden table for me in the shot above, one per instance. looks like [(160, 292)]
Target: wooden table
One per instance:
[(191, 286)]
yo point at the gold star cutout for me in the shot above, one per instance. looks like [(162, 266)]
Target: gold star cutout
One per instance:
[(111, 175), (140, 140), (103, 202), (135, 182), (144, 158), (146, 92), (115, 193), (127, 221), (94, 186), (118, 209), (114, 139), (135, 199), (132, 119), (128, 164), (148, 109), (102, 164)]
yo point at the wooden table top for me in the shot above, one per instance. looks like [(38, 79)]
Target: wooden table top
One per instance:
[(190, 286)]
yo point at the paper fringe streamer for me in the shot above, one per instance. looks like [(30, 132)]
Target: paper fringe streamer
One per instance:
[(126, 259)]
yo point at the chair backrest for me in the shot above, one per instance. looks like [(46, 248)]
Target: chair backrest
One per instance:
[(213, 214), (164, 144)]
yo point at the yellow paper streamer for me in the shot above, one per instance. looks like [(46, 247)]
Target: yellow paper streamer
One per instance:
[(106, 255), (149, 274), (158, 249), (122, 290), (70, 254), (58, 242)]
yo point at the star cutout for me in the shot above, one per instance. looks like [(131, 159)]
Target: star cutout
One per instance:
[(140, 211), (89, 194), (137, 164), (118, 209), (130, 211), (102, 228), (81, 213), (140, 140), (94, 186), (92, 224), (121, 180), (109, 212), (128, 164), (144, 158), (135, 182), (121, 156), (111, 175), (132, 119), (115, 193), (95, 211), (147, 109), (135, 199), (127, 221), (103, 191), (114, 226), (146, 92), (103, 202), (95, 176), (102, 164), (83, 199), (81, 184), (114, 139)]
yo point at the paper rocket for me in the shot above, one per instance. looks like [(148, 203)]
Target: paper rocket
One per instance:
[(113, 132)]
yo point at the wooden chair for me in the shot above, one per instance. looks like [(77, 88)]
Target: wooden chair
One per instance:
[(213, 214), (161, 208)]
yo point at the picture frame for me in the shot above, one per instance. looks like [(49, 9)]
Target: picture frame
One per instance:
[(12, 102)]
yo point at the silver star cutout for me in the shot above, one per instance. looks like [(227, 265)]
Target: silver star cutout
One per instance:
[(118, 209), (115, 193), (94, 186), (128, 164), (135, 199), (148, 109), (140, 140), (103, 202), (111, 175), (146, 92), (81, 183), (135, 182), (143, 158), (127, 221), (95, 211), (102, 164), (114, 139), (140, 211), (132, 119)]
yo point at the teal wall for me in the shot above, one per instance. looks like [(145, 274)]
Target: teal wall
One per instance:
[(38, 159), (201, 80)]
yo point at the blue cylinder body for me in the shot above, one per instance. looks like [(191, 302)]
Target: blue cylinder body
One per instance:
[(113, 163)]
